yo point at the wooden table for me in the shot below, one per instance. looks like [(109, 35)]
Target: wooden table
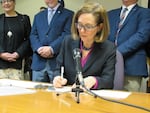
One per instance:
[(48, 102)]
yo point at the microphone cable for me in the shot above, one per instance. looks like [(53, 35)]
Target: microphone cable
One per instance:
[(77, 56), (115, 101)]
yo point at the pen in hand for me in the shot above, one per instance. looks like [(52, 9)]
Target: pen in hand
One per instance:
[(63, 80), (62, 72), (61, 77), (59, 81)]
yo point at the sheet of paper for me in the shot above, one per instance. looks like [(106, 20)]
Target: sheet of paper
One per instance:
[(13, 90), (23, 84), (59, 90), (112, 94)]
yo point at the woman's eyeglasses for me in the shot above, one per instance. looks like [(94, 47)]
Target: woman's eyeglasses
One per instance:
[(86, 27)]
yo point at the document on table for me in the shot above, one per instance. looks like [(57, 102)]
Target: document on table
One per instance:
[(112, 94), (23, 84), (59, 90), (13, 90)]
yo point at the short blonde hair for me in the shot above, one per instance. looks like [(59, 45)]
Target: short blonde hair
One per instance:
[(100, 15)]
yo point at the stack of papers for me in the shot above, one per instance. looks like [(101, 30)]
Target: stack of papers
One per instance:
[(13, 90), (112, 94), (23, 84), (15, 87)]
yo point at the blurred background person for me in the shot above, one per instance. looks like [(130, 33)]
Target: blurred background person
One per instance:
[(90, 29), (48, 31), (14, 42), (130, 31)]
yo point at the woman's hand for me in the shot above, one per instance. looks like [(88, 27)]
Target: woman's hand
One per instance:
[(89, 82), (59, 82), (10, 57)]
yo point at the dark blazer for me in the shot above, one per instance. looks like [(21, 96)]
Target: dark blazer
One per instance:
[(21, 43), (52, 35), (100, 64), (132, 38)]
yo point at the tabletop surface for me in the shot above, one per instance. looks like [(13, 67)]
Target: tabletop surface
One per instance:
[(43, 101)]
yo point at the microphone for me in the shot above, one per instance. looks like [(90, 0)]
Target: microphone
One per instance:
[(77, 57)]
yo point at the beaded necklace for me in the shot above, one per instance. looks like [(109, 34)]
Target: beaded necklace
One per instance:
[(85, 48)]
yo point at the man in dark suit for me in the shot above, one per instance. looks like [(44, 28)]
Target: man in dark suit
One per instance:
[(46, 37), (130, 37)]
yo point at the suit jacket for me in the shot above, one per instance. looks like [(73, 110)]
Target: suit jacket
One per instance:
[(20, 42), (100, 64), (52, 35), (132, 38)]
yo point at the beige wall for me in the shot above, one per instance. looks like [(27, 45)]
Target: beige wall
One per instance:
[(31, 7), (144, 3)]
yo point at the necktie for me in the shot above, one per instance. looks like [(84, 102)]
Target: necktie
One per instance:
[(122, 17), (50, 15)]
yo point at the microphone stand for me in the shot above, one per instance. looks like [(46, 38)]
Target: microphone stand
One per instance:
[(79, 81), (77, 90)]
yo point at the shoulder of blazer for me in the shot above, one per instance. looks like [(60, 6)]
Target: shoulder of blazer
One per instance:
[(136, 7), (105, 44), (61, 9), (24, 19), (2, 15), (26, 23)]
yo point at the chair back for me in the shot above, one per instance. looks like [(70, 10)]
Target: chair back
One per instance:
[(119, 72)]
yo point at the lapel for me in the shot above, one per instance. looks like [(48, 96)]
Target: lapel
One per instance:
[(44, 18), (130, 15), (117, 17), (2, 25), (22, 20), (55, 17), (93, 57)]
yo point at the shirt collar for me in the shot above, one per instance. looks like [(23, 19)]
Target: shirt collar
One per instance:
[(55, 8), (129, 7)]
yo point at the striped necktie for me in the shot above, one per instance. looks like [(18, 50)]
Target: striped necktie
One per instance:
[(122, 18), (50, 15)]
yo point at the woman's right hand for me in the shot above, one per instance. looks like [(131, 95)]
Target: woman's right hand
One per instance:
[(59, 82)]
